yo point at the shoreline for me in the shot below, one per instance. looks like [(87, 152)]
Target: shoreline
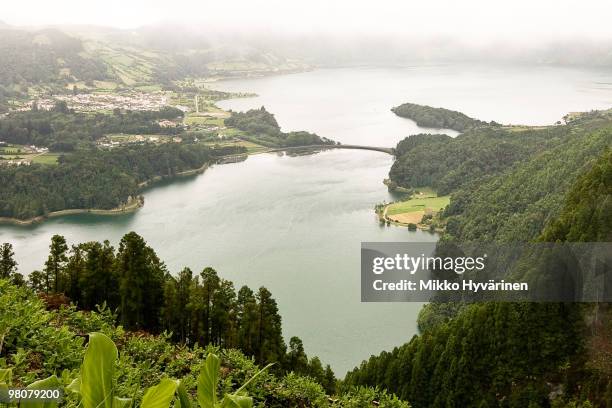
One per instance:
[(139, 201), (259, 74), (126, 209), (384, 218), (185, 173), (133, 206)]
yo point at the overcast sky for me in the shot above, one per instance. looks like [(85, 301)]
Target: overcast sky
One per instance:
[(465, 19)]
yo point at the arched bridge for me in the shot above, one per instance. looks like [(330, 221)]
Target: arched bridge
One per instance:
[(388, 150)]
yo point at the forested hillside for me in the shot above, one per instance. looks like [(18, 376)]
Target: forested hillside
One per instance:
[(261, 127), (63, 130), (45, 56), (587, 211), (147, 55), (518, 204), (513, 354), (447, 163), (96, 179), (451, 164), (169, 326)]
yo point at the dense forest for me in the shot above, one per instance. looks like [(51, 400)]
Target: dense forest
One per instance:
[(451, 164), (518, 204), (63, 130), (261, 127), (97, 179), (587, 211), (439, 118), (512, 354), (169, 325)]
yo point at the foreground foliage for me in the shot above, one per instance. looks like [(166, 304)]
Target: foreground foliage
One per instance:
[(38, 343), (202, 309)]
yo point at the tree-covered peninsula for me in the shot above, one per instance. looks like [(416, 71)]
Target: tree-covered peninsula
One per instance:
[(100, 161), (94, 179), (261, 127), (438, 118)]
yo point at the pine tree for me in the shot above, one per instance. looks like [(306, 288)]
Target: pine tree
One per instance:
[(54, 266), (36, 281), (329, 381), (141, 280), (8, 265), (183, 316), (196, 312), (210, 284), (270, 344), (75, 269), (176, 312), (297, 360), (315, 369), (99, 281), (247, 318), (169, 313), (223, 314)]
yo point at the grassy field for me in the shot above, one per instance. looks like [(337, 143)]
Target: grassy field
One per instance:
[(11, 150), (423, 202), (427, 202), (232, 132), (149, 88), (202, 119), (47, 158), (250, 146), (14, 149), (130, 65)]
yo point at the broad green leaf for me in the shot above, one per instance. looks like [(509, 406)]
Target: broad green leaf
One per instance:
[(183, 397), (75, 385), (237, 401), (4, 395), (97, 372), (121, 402), (49, 383), (6, 376), (161, 395), (207, 382)]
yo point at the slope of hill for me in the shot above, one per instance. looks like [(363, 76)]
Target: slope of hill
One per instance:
[(45, 56), (515, 354)]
